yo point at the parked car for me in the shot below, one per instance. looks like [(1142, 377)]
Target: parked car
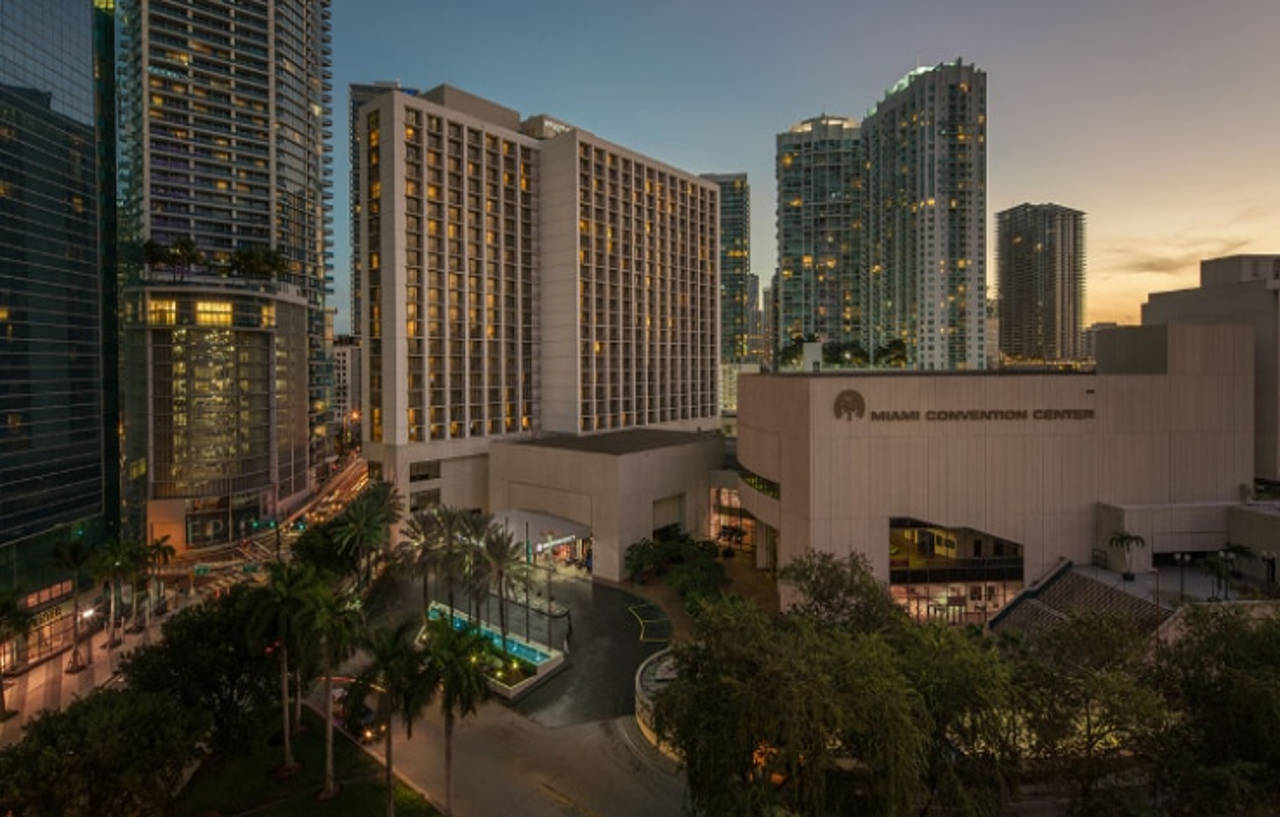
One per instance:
[(364, 723)]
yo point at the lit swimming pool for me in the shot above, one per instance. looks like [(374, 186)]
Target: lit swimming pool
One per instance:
[(515, 647)]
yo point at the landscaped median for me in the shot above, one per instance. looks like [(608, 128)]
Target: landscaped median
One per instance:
[(233, 784), (511, 673)]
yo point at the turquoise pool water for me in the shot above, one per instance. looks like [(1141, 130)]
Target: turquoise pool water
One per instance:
[(516, 648)]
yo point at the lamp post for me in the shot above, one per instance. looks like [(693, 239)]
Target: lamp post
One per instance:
[(1227, 559), (1182, 559)]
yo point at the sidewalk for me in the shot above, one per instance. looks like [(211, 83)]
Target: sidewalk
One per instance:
[(48, 686)]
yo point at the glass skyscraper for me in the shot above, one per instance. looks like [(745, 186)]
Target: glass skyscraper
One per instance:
[(738, 298), (224, 161), (51, 404)]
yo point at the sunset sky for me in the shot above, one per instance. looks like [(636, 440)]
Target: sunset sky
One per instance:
[(1159, 118)]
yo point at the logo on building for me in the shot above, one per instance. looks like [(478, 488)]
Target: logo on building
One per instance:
[(849, 404)]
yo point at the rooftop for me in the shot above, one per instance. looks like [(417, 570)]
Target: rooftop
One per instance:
[(616, 443)]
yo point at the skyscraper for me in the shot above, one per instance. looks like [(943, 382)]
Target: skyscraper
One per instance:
[(737, 284), (522, 276), (224, 173), (51, 409), (1040, 275), (820, 174), (925, 150)]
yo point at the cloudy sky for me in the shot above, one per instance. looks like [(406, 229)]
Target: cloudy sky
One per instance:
[(1159, 118)]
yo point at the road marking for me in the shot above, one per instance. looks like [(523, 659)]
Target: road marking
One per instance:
[(567, 802), (662, 619)]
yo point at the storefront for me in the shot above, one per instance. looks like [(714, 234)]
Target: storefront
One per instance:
[(548, 539)]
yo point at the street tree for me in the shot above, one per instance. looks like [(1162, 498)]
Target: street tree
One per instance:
[(75, 557), (406, 682), (455, 661), (1222, 676), (15, 621), (791, 713), (965, 687), (159, 553), (1089, 709), (205, 662), (280, 610), (338, 626), (115, 751), (114, 564), (843, 592)]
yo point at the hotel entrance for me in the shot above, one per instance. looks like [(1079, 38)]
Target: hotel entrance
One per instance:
[(549, 541)]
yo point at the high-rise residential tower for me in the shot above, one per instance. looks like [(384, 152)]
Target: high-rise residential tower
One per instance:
[(51, 368), (925, 238), (224, 173), (820, 176), (522, 276), (737, 284), (1040, 277)]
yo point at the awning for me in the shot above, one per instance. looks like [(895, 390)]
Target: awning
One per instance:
[(541, 530)]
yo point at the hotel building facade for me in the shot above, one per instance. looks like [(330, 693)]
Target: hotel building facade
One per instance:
[(522, 277)]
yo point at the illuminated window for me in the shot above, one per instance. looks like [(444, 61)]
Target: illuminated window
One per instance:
[(213, 313), (162, 312), (268, 315), (375, 189), (374, 137)]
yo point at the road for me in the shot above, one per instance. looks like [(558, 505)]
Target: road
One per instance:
[(571, 748)]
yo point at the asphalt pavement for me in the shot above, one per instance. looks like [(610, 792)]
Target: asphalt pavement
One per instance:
[(571, 747)]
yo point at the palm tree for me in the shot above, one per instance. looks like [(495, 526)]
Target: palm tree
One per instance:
[(15, 621), (75, 557), (422, 552), (359, 531), (337, 624), (506, 564), (1123, 540), (455, 657), (113, 564), (281, 609), (159, 552), (363, 526), (140, 562), (406, 680)]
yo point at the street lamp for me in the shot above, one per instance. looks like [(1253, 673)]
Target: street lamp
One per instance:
[(1227, 558), (1182, 559)]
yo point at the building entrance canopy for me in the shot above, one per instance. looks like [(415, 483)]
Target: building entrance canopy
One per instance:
[(541, 530)]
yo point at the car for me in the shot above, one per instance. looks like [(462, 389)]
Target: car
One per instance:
[(365, 724)]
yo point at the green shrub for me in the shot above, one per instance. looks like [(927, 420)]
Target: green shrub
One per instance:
[(700, 577)]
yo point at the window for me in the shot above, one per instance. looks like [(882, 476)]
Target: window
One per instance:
[(421, 500), (424, 469), (162, 312), (213, 313)]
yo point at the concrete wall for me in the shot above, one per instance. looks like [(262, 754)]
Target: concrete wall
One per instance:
[(1250, 303), (1150, 439), (611, 494), (560, 320)]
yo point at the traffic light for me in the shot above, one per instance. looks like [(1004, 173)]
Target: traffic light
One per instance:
[(272, 523)]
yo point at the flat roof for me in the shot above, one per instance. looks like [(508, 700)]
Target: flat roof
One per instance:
[(1011, 372), (615, 443)]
